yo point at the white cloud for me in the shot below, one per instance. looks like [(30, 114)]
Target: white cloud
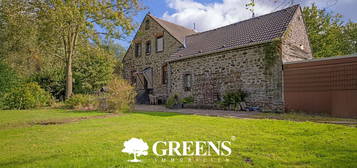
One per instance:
[(211, 15)]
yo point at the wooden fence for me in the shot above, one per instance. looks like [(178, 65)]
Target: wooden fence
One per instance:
[(327, 86)]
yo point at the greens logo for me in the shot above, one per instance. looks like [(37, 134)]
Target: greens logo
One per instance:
[(137, 147)]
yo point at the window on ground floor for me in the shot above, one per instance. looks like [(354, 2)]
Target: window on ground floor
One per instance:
[(164, 74), (187, 82)]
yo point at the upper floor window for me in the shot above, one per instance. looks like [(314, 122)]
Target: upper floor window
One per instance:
[(159, 43), (164, 74), (148, 47), (147, 24), (138, 49), (187, 82)]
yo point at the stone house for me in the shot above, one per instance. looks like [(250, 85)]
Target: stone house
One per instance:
[(166, 59)]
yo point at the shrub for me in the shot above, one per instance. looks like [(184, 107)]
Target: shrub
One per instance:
[(119, 96), (233, 98), (81, 102), (8, 79), (52, 80), (29, 95), (188, 100), (173, 101)]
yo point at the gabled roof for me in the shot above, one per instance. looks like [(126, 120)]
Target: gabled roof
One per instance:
[(177, 31), (256, 30)]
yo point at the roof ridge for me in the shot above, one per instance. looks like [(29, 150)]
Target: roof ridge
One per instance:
[(258, 17), (171, 22)]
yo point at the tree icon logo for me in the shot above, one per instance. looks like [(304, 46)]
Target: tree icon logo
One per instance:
[(137, 147)]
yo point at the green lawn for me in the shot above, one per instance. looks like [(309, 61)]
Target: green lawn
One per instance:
[(97, 142)]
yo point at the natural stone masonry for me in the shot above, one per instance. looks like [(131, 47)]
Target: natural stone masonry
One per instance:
[(155, 60), (219, 73), (296, 45), (248, 66)]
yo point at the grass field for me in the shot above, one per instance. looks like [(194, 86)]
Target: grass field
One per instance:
[(97, 142)]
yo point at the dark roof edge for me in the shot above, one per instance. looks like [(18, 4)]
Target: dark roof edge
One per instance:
[(154, 18), (198, 33), (171, 22), (219, 50)]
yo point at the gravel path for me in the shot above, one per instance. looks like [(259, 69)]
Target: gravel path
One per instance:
[(206, 112)]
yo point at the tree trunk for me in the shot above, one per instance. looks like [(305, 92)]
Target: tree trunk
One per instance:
[(69, 46), (69, 77)]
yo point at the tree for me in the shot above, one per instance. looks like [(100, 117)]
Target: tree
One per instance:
[(137, 147), (326, 32), (70, 21), (119, 51), (18, 36), (114, 48), (8, 79), (92, 69), (351, 32)]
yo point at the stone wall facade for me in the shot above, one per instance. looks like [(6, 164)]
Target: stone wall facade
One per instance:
[(156, 60), (215, 74), (295, 41)]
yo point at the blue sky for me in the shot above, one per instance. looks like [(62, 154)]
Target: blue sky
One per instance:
[(209, 14)]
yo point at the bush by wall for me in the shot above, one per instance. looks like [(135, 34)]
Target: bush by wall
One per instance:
[(232, 99), (188, 100), (173, 102), (26, 96)]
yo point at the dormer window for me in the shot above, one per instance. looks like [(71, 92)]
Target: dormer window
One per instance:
[(148, 47), (147, 24), (159, 43), (138, 49)]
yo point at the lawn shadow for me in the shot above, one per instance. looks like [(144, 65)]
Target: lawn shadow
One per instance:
[(159, 114)]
